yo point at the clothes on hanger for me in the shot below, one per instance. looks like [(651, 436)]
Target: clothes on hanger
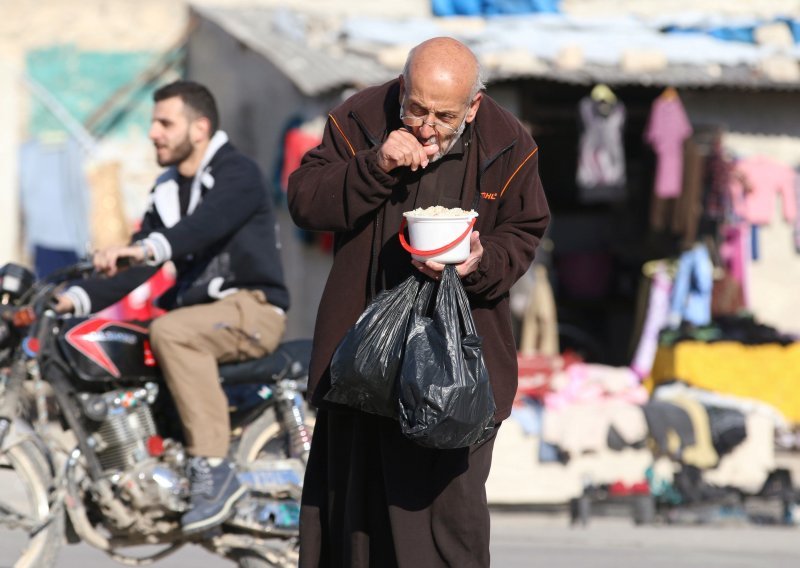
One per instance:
[(756, 182), (681, 215), (691, 291), (601, 154), (667, 128), (655, 319), (718, 169), (602, 93)]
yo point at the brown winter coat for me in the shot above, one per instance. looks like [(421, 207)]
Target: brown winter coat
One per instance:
[(339, 187)]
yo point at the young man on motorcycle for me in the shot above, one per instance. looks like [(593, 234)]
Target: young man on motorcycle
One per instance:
[(209, 214)]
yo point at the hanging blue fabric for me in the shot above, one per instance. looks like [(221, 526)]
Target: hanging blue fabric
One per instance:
[(691, 291), (493, 7), (444, 8), (754, 242), (744, 34)]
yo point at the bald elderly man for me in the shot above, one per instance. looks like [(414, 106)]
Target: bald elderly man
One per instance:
[(429, 137)]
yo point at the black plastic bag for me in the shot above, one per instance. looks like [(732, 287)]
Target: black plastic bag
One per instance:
[(365, 365), (446, 400)]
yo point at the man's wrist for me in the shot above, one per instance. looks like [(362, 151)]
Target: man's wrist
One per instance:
[(146, 253)]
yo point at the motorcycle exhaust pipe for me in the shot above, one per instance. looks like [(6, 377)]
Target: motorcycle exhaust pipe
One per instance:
[(76, 510)]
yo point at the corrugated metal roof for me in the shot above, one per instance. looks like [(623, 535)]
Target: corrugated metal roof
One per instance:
[(321, 53), (312, 70), (682, 76)]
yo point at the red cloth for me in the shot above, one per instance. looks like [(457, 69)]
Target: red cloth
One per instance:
[(536, 372), (295, 144)]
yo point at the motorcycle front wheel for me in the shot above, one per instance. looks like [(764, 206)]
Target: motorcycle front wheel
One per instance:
[(28, 539)]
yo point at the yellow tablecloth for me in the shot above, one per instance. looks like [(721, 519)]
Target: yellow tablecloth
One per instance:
[(770, 372)]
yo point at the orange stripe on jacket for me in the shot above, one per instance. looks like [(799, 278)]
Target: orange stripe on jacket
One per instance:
[(339, 128), (518, 169)]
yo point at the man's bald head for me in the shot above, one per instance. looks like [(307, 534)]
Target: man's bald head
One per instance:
[(446, 62)]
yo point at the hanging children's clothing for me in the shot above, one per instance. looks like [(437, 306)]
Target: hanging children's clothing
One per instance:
[(691, 290), (754, 185), (655, 320), (601, 154), (667, 128), (681, 215), (734, 251)]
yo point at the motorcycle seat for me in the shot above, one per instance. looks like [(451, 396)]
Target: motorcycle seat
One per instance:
[(289, 360)]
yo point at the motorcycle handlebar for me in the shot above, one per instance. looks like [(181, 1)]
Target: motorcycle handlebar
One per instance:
[(80, 269), (41, 295)]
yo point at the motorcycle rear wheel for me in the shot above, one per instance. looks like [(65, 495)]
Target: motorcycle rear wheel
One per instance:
[(266, 438), (26, 480)]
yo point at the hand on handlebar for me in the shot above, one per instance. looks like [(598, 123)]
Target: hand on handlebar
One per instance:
[(64, 305), (108, 261)]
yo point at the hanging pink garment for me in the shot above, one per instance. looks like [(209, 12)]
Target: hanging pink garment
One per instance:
[(754, 185), (733, 252), (667, 128)]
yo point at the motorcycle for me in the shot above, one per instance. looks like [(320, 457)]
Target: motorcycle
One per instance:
[(91, 446)]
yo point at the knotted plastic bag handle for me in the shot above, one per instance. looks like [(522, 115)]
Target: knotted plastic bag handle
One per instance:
[(436, 251)]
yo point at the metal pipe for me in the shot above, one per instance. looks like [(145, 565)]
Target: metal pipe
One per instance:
[(76, 510)]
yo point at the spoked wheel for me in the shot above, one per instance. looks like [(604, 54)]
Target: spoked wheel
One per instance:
[(266, 439), (28, 539), (256, 561)]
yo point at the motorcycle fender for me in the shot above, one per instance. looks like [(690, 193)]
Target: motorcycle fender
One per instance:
[(22, 431)]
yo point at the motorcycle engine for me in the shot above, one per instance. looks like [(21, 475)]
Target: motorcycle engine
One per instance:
[(148, 470), (126, 425)]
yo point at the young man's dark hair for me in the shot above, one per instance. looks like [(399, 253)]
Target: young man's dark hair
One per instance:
[(195, 96)]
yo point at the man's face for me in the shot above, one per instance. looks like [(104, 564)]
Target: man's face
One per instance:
[(444, 108), (170, 132)]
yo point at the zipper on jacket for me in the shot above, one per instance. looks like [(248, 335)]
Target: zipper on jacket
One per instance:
[(372, 285), (370, 137), (372, 288), (489, 161)]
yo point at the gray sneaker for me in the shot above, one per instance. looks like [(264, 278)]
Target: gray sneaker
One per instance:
[(214, 492)]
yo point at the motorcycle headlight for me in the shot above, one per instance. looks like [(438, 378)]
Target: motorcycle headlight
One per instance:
[(15, 280)]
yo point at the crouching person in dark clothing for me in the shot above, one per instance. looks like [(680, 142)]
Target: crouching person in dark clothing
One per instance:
[(431, 137)]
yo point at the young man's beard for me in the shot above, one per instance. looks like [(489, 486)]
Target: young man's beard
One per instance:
[(181, 152)]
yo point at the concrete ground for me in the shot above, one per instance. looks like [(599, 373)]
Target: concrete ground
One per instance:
[(526, 539)]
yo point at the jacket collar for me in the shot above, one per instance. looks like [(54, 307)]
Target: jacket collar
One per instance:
[(203, 174), (494, 132)]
